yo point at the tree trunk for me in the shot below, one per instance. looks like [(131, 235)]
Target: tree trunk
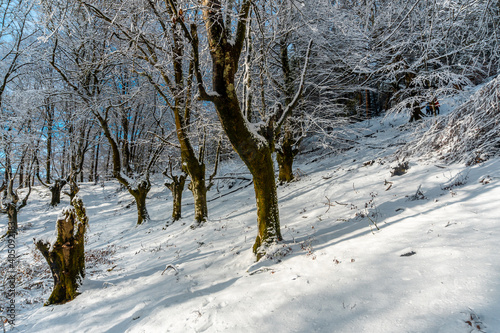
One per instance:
[(368, 104), (73, 189), (108, 158), (199, 189), (284, 156), (63, 160), (177, 187), (285, 164), (267, 205), (12, 213), (140, 194), (66, 257), (96, 164), (92, 161), (55, 190), (193, 164), (257, 157), (254, 149), (21, 173), (50, 123)]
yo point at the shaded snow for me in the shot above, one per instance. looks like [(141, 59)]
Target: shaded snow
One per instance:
[(334, 272)]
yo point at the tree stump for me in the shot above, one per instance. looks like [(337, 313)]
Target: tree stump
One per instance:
[(66, 257)]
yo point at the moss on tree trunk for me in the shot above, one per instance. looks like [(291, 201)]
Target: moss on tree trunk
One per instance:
[(285, 155), (66, 257), (55, 190), (268, 220), (199, 189), (12, 213), (256, 154), (255, 150), (140, 194), (285, 165), (177, 187)]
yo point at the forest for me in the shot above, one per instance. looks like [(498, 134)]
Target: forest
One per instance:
[(220, 149)]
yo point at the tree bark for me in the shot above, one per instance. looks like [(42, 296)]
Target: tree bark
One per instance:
[(50, 124), (285, 153), (21, 173), (66, 257), (253, 148), (139, 190), (177, 187), (139, 195), (96, 164), (92, 161), (257, 157), (193, 164), (12, 213), (55, 190), (268, 220), (285, 156), (199, 189), (73, 188), (368, 104)]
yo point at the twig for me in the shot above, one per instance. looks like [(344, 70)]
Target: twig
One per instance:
[(390, 185), (170, 266), (375, 224), (329, 204), (223, 195)]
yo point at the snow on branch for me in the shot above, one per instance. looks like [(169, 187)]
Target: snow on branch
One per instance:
[(469, 134), (293, 103)]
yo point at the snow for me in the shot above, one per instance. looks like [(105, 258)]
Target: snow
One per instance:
[(434, 265)]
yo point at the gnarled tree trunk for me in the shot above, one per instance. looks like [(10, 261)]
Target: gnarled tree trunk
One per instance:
[(140, 193), (12, 204), (267, 204), (199, 189), (285, 155), (55, 189), (177, 187), (140, 188), (256, 154), (254, 149), (12, 211), (66, 257)]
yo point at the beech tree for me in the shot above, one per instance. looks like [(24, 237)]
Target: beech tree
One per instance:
[(85, 63), (12, 203), (252, 64), (19, 141), (275, 46), (254, 143), (158, 50), (423, 50)]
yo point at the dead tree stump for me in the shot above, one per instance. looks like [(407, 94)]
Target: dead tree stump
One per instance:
[(66, 257)]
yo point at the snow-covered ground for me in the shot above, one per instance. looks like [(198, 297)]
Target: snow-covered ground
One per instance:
[(364, 251)]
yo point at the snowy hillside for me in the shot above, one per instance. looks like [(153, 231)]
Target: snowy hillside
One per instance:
[(364, 251)]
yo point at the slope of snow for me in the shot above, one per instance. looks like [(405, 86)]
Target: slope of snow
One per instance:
[(359, 254)]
